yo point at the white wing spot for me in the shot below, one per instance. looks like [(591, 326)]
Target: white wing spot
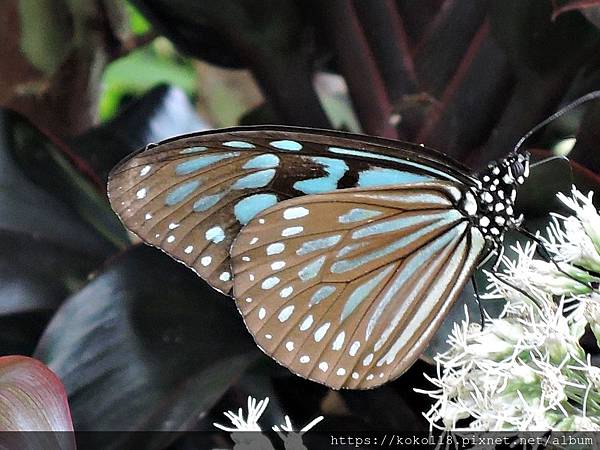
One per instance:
[(306, 323), (275, 249), (148, 216), (321, 331), (295, 213), (341, 372), (251, 276), (268, 336), (278, 265), (253, 241), (285, 313), (157, 235), (289, 345), (291, 231), (323, 366), (206, 260), (370, 377), (225, 276), (261, 221), (368, 359), (215, 234), (355, 375), (173, 225), (354, 348), (270, 282), (171, 239), (286, 292), (189, 249), (304, 359), (141, 193), (245, 258), (339, 341), (248, 299), (145, 170), (262, 313)]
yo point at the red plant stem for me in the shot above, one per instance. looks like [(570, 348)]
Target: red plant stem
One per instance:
[(357, 64)]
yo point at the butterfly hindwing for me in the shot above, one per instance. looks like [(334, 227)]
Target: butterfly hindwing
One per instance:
[(192, 195), (347, 288)]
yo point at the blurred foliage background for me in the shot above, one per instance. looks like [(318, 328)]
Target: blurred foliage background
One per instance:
[(138, 340)]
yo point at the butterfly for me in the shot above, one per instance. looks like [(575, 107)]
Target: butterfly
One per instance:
[(343, 252)]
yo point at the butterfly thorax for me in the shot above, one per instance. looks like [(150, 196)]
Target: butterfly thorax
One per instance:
[(497, 195)]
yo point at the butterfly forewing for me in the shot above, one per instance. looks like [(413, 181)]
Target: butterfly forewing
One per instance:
[(191, 196), (347, 288)]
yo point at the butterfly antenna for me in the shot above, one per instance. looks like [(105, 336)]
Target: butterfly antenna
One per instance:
[(574, 104)]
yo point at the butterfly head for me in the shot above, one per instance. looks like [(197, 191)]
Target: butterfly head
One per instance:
[(498, 193)]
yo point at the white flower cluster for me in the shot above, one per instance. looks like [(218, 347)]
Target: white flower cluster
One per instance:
[(526, 370), (292, 440)]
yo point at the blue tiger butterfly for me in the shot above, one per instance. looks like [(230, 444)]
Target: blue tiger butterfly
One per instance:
[(343, 252)]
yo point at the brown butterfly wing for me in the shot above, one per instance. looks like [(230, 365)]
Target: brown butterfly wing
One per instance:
[(347, 288), (191, 196)]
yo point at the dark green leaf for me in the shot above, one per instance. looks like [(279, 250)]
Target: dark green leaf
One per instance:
[(147, 345), (160, 113)]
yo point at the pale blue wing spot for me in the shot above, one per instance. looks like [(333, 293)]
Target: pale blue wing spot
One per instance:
[(407, 271), (336, 168), (266, 161), (358, 215), (181, 192), (255, 180), (288, 145), (351, 152), (204, 203), (350, 264), (401, 223), (215, 234), (383, 177), (362, 292), (238, 144), (186, 151), (312, 269), (192, 165), (317, 244), (321, 294), (249, 207)]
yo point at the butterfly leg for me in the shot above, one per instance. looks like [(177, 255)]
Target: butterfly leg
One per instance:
[(478, 299), (545, 254)]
